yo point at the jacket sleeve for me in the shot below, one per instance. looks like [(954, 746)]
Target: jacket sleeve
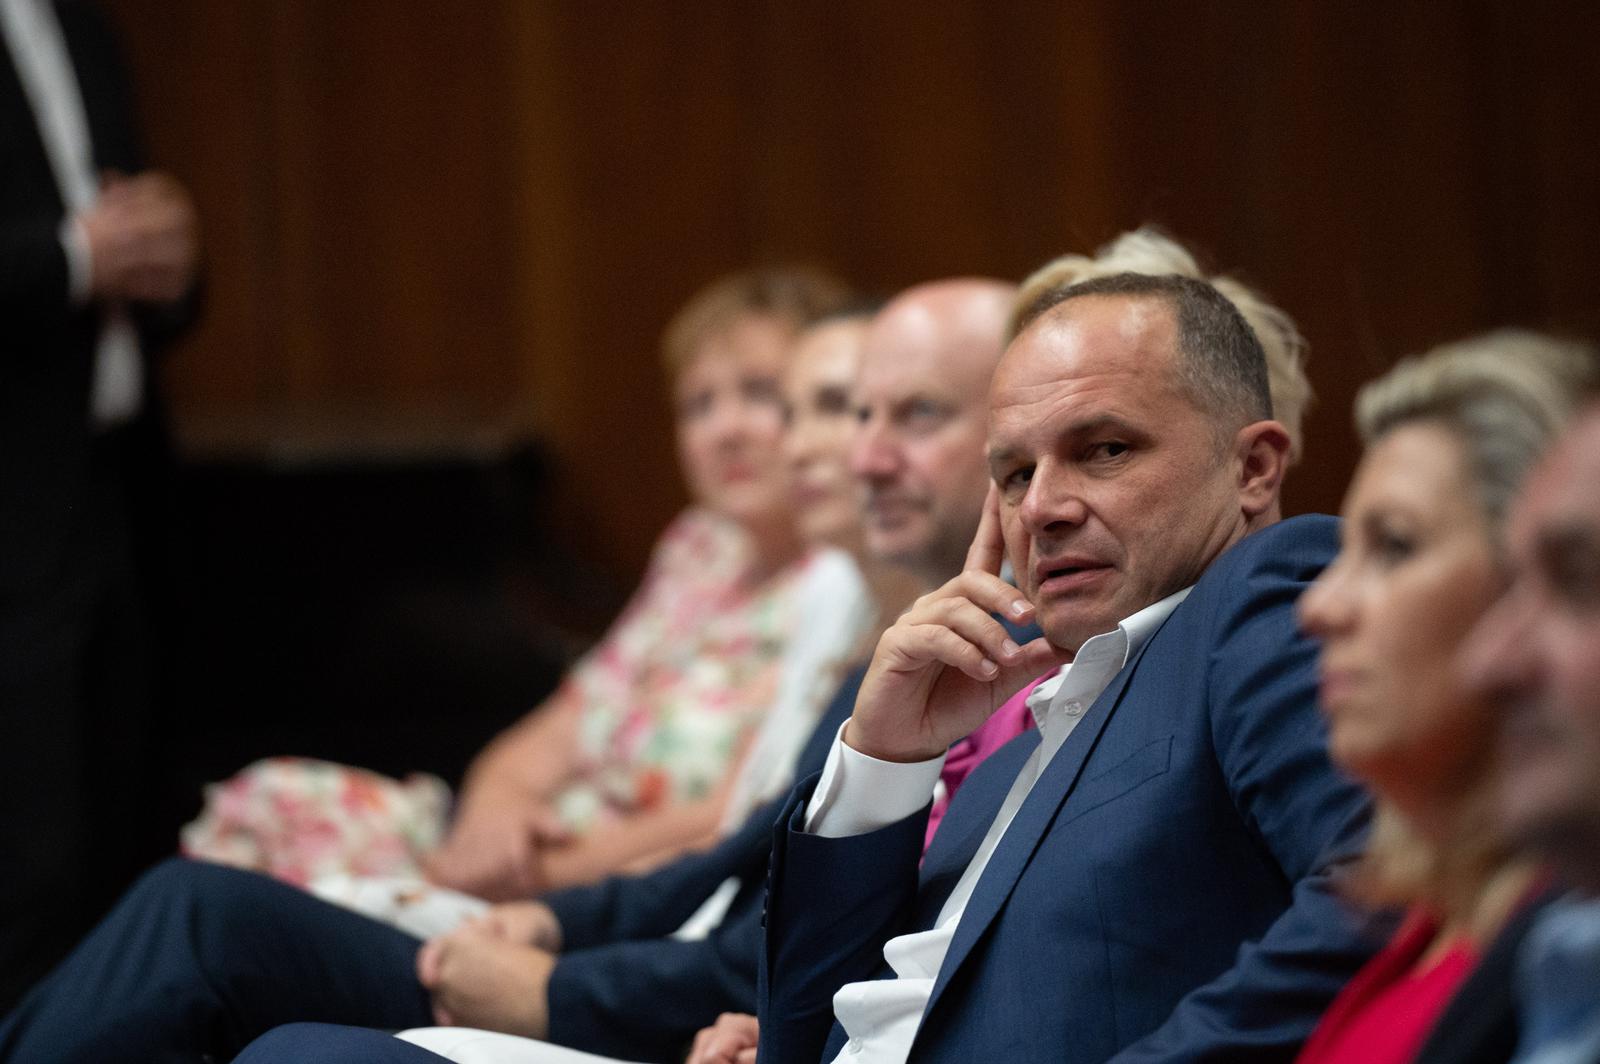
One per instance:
[(33, 270), (645, 1000), (626, 908), (832, 903), (1272, 750)]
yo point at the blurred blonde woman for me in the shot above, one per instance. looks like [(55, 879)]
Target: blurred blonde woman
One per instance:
[(1148, 250), (1449, 438)]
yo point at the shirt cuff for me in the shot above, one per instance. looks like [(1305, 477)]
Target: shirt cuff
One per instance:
[(858, 793), (80, 264)]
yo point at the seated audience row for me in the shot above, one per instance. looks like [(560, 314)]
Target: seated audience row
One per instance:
[(1092, 809), (723, 658)]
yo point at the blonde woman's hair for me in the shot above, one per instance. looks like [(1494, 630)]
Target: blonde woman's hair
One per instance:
[(794, 295), (1504, 397), (1147, 250)]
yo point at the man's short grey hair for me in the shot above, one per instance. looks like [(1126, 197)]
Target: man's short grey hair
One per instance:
[(1505, 396), (1220, 363), (1149, 250)]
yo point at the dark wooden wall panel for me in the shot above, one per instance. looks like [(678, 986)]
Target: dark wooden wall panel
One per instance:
[(442, 228)]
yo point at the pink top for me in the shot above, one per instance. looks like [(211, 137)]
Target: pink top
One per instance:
[(1385, 1013), (1003, 725)]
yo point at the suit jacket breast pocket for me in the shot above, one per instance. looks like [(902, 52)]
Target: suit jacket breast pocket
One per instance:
[(1138, 768)]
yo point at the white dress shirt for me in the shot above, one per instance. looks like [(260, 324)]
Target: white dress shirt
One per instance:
[(39, 52), (858, 794)]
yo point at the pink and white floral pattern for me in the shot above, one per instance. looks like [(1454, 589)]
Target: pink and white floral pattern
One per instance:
[(667, 699)]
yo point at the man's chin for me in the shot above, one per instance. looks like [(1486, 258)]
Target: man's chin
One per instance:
[(1069, 625), (902, 544)]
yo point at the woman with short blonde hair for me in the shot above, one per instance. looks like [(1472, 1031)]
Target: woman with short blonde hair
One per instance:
[(1449, 438)]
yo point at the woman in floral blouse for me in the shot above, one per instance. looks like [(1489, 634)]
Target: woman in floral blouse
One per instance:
[(630, 759)]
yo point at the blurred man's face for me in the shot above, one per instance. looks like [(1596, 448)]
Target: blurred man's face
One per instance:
[(918, 452), (1537, 654)]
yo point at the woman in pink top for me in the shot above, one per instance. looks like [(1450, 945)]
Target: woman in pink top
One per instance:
[(1449, 437)]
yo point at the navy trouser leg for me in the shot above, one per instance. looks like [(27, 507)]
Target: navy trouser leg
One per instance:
[(321, 1043), (196, 960)]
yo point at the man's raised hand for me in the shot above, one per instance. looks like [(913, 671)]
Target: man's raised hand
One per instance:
[(947, 664)]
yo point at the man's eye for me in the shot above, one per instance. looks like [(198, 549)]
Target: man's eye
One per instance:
[(923, 415), (1108, 449), (1018, 478)]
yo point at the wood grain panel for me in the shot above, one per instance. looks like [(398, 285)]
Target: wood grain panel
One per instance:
[(442, 227)]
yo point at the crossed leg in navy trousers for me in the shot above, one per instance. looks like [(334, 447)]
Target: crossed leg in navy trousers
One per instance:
[(197, 960)]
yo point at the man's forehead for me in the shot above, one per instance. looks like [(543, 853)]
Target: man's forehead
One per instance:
[(890, 373), (1111, 338), (1103, 324)]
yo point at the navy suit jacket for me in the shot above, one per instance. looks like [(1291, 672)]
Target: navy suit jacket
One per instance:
[(1162, 894), (621, 987)]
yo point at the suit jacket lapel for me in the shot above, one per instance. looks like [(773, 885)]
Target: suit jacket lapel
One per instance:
[(1028, 827), (959, 836)]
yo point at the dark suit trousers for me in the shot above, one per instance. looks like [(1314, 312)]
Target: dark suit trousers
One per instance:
[(318, 1043), (198, 960), (77, 775)]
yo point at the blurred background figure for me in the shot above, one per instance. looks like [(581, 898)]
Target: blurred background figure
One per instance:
[(1149, 250), (630, 761), (97, 273), (1536, 656), (1450, 437)]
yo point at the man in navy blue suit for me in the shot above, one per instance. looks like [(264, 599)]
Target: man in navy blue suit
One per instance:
[(1146, 875), (199, 959)]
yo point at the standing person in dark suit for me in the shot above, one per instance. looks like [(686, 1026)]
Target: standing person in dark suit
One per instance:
[(97, 271), (1147, 875)]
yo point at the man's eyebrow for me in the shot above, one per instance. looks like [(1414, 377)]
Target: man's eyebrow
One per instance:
[(1091, 425), (1001, 456), (1098, 423)]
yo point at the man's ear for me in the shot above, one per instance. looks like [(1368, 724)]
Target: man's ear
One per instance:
[(1261, 450)]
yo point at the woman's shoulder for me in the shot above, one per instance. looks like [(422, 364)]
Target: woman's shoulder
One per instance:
[(703, 545)]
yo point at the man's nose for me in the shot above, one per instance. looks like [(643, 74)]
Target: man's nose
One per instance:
[(1052, 503), (874, 453)]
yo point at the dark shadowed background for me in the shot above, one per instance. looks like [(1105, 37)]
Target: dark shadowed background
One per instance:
[(424, 417)]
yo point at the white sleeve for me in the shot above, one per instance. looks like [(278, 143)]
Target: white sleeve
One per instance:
[(858, 793), (80, 267), (833, 611)]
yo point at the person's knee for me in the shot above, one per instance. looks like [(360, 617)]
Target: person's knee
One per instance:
[(298, 1042), (322, 1043)]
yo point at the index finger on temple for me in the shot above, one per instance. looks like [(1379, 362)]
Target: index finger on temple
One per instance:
[(988, 550)]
